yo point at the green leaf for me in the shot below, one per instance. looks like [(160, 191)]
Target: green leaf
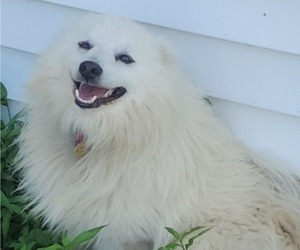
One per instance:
[(3, 95), (65, 240), (192, 230), (171, 245), (85, 236), (6, 218), (2, 125), (6, 176), (17, 199), (10, 155), (173, 232), (3, 90), (14, 120), (53, 247), (11, 207), (13, 133), (24, 247), (191, 240), (39, 236)]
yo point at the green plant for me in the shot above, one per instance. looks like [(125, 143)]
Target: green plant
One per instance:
[(68, 244), (19, 229), (182, 240)]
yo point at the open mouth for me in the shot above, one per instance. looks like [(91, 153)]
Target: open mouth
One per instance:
[(91, 96)]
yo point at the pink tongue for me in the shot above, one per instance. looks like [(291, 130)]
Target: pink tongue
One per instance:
[(87, 91)]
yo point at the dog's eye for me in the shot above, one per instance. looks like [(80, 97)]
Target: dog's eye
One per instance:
[(127, 59), (85, 45)]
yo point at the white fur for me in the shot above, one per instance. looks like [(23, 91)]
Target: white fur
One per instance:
[(157, 156)]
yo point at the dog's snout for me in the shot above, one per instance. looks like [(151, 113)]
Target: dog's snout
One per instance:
[(90, 70)]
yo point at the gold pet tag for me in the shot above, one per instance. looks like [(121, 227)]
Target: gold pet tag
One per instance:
[(80, 150)]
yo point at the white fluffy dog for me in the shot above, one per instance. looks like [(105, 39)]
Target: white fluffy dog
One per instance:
[(117, 136)]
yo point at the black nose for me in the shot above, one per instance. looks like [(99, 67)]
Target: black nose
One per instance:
[(90, 70)]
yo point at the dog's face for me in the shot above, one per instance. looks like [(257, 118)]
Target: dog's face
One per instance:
[(103, 66), (107, 64), (109, 60)]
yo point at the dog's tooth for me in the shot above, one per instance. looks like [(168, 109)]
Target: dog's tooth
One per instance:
[(78, 97), (82, 100), (77, 93), (93, 99), (108, 93)]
